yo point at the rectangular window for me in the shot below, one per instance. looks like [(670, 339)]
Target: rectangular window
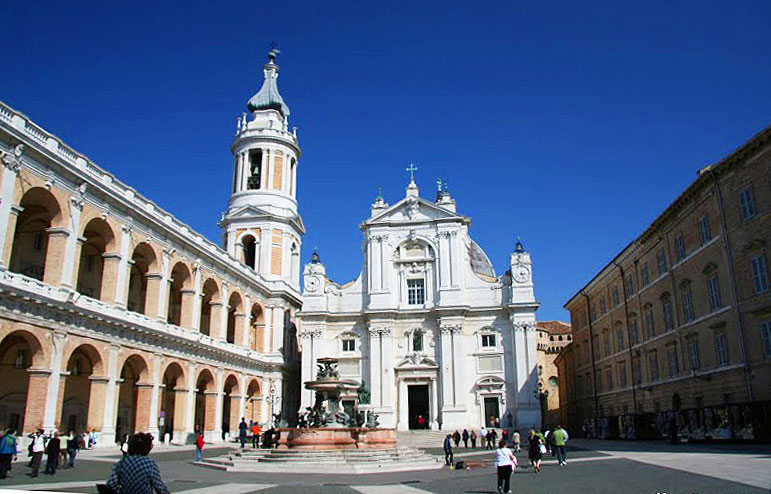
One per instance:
[(714, 293), (693, 353), (765, 334), (636, 371), (606, 343), (603, 307), (593, 312), (650, 330), (614, 295), (760, 274), (680, 247), (634, 333), (622, 375), (704, 232), (661, 261), (619, 340), (609, 378), (644, 277), (488, 341), (688, 313), (747, 203), (721, 349), (349, 345), (629, 285), (669, 321), (416, 292), (653, 366), (674, 367)]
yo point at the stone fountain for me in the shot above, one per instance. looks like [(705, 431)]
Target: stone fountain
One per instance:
[(326, 425)]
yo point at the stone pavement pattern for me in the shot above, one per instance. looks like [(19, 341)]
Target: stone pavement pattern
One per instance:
[(604, 467)]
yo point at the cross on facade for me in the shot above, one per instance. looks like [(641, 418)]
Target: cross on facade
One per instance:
[(412, 169)]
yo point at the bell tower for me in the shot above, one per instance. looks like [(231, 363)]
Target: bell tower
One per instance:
[(261, 227)]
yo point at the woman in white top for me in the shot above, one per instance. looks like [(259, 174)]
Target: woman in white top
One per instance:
[(506, 462)]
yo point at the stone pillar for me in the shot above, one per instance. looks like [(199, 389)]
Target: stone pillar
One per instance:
[(218, 405), (434, 405), (278, 328), (70, 261), (198, 298), (403, 422), (110, 276), (96, 402), (235, 414), (110, 397), (124, 267), (165, 285), (242, 398), (246, 323), (215, 323), (180, 415), (388, 382), (143, 421), (375, 365), (186, 311), (444, 259), (240, 321), (55, 255), (190, 401), (223, 322), (155, 396), (267, 332), (52, 394), (307, 368), (7, 214), (153, 296), (210, 419), (445, 369), (458, 367), (37, 386)]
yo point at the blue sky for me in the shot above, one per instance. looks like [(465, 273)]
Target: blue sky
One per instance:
[(569, 124)]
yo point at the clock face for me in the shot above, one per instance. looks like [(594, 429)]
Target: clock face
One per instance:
[(521, 274), (311, 283)]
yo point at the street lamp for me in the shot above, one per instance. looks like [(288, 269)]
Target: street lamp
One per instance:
[(272, 400), (542, 395)]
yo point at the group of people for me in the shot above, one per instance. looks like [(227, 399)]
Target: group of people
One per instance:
[(539, 443), (59, 449)]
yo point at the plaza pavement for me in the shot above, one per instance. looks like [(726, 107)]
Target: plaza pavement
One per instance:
[(593, 467)]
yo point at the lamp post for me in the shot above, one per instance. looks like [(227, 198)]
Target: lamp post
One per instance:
[(272, 399), (542, 395)]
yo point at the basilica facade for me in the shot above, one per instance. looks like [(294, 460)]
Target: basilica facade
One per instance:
[(117, 317), (434, 336)]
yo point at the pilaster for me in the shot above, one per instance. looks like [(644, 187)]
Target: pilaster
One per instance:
[(54, 381), (121, 298), (12, 165), (76, 207)]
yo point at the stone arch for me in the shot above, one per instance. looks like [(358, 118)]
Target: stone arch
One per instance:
[(231, 400), (254, 400), (257, 328), (210, 306), (84, 389), (99, 242), (205, 402), (250, 253), (181, 292), (40, 213), (173, 400), (235, 318), (133, 397), (144, 264), (20, 387)]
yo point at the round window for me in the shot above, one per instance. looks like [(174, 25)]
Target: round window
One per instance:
[(553, 382)]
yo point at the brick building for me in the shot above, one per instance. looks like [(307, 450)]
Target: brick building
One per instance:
[(117, 317), (551, 338), (676, 329)]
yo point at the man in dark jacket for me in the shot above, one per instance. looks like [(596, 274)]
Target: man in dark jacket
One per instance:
[(53, 448), (448, 458), (242, 428)]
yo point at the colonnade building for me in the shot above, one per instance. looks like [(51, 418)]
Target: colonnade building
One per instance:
[(117, 317)]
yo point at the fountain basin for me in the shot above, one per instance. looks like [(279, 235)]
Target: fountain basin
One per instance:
[(320, 438)]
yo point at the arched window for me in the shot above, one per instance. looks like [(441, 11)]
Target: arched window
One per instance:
[(254, 181), (30, 239), (249, 244), (99, 238), (142, 263)]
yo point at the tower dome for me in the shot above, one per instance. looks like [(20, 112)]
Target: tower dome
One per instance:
[(268, 97)]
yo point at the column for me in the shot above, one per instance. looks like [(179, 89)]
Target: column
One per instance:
[(187, 314), (266, 244), (144, 419), (241, 321), (110, 397), (242, 400), (153, 296), (278, 328), (458, 354), (163, 292), (388, 382), (267, 332), (55, 256), (7, 216), (70, 261), (156, 393), (444, 259), (190, 401), (180, 415), (375, 363), (246, 323), (375, 246), (306, 369), (403, 406), (236, 412), (37, 386), (96, 402), (448, 390), (198, 298), (269, 156), (121, 298), (218, 408), (434, 405), (224, 308), (52, 395), (111, 276), (293, 184), (216, 319)]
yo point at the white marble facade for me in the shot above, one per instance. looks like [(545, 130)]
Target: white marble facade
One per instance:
[(427, 326)]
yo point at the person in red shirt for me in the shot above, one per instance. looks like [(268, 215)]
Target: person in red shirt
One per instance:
[(199, 442), (256, 430)]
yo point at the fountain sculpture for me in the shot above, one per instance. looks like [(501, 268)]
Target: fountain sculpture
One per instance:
[(326, 425)]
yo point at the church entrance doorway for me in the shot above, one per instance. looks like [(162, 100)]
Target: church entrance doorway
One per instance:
[(417, 403), (492, 411)]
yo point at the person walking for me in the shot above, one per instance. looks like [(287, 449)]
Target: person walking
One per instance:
[(483, 438), (448, 457), (473, 438), (456, 438), (505, 463), (465, 438), (535, 450), (256, 430), (73, 446), (559, 438), (63, 453), (7, 451), (199, 442), (37, 447), (53, 448), (516, 440), (135, 473), (492, 435), (505, 435), (242, 428)]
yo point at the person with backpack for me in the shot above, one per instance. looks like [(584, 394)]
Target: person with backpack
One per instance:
[(7, 452), (505, 463), (448, 457), (559, 438)]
